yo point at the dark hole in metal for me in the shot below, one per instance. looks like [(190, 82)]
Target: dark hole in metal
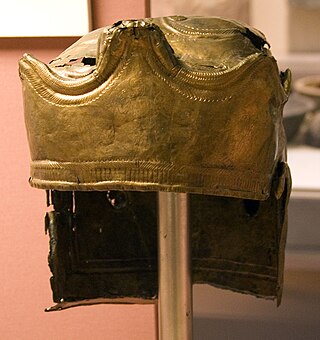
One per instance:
[(118, 23), (251, 207), (89, 61), (256, 40), (117, 199)]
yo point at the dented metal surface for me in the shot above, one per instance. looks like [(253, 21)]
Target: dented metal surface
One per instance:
[(223, 136), (173, 104)]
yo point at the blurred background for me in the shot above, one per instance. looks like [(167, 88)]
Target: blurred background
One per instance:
[(46, 28)]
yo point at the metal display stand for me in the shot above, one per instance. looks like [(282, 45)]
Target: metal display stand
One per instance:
[(175, 284)]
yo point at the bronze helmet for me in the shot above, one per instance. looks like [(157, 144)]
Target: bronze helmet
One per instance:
[(182, 104)]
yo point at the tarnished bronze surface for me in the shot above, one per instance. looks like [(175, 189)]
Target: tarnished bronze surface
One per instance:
[(107, 248), (173, 104)]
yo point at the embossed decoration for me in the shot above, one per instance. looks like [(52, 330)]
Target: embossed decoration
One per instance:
[(182, 104)]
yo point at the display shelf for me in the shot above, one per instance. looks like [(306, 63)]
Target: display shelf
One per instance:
[(304, 162)]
